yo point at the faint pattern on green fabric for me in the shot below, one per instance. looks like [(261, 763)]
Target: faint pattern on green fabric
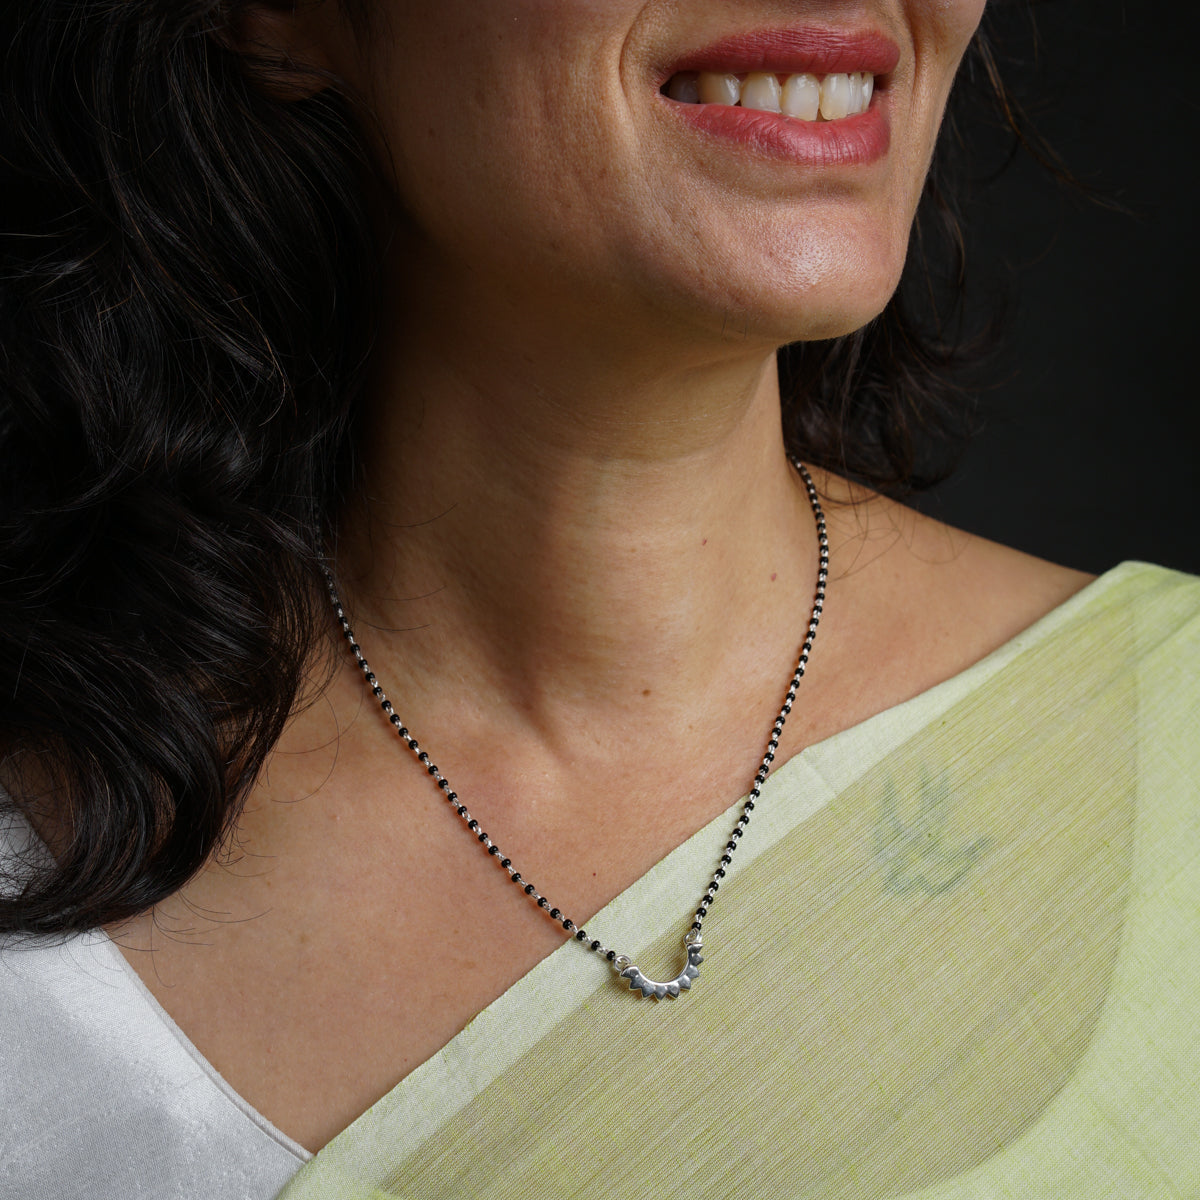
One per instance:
[(915, 844)]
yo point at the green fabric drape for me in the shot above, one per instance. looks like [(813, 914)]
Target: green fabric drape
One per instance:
[(958, 958)]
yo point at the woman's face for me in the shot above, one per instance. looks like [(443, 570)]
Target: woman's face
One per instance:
[(535, 149)]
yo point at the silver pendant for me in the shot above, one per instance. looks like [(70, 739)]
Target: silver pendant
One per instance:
[(671, 989)]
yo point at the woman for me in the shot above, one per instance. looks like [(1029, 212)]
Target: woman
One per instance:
[(565, 540)]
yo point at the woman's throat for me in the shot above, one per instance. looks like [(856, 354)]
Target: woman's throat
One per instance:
[(802, 96)]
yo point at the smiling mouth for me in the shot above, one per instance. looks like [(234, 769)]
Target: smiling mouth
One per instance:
[(802, 96)]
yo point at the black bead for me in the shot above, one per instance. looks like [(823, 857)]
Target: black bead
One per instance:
[(730, 846), (472, 824), (595, 946), (720, 872), (483, 837), (749, 806), (726, 859), (493, 850), (611, 955), (543, 902), (516, 877), (452, 796), (555, 913), (581, 935), (402, 732), (432, 768), (702, 911), (444, 784), (412, 743), (462, 810), (423, 757), (529, 889), (394, 718), (568, 924), (506, 863)]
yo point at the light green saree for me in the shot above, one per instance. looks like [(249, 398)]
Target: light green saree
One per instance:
[(958, 958)]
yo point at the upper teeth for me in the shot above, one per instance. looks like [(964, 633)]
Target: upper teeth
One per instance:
[(805, 97)]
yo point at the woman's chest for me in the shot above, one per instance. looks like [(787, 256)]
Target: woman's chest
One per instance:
[(914, 971)]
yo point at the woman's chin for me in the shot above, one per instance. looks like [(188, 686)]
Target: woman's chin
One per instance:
[(811, 322), (828, 326), (786, 309)]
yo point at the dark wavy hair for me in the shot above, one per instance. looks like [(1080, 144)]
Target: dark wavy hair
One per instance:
[(185, 313)]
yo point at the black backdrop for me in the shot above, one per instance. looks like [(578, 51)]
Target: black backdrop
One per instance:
[(1090, 432)]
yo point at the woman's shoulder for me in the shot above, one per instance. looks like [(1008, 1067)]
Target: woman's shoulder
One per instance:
[(920, 602), (983, 591), (1152, 604), (1016, 594)]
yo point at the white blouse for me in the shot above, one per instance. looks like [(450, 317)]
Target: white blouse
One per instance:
[(104, 1098)]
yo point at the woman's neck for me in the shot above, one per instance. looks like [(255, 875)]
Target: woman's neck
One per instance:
[(565, 542)]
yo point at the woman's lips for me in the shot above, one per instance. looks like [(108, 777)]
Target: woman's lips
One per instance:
[(848, 141), (791, 51)]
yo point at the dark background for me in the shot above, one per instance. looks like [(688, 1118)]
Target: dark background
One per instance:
[(1089, 427)]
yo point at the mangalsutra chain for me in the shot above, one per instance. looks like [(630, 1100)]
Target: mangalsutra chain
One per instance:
[(693, 941)]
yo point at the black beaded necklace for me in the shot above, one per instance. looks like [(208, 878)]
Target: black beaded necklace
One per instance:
[(692, 942)]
